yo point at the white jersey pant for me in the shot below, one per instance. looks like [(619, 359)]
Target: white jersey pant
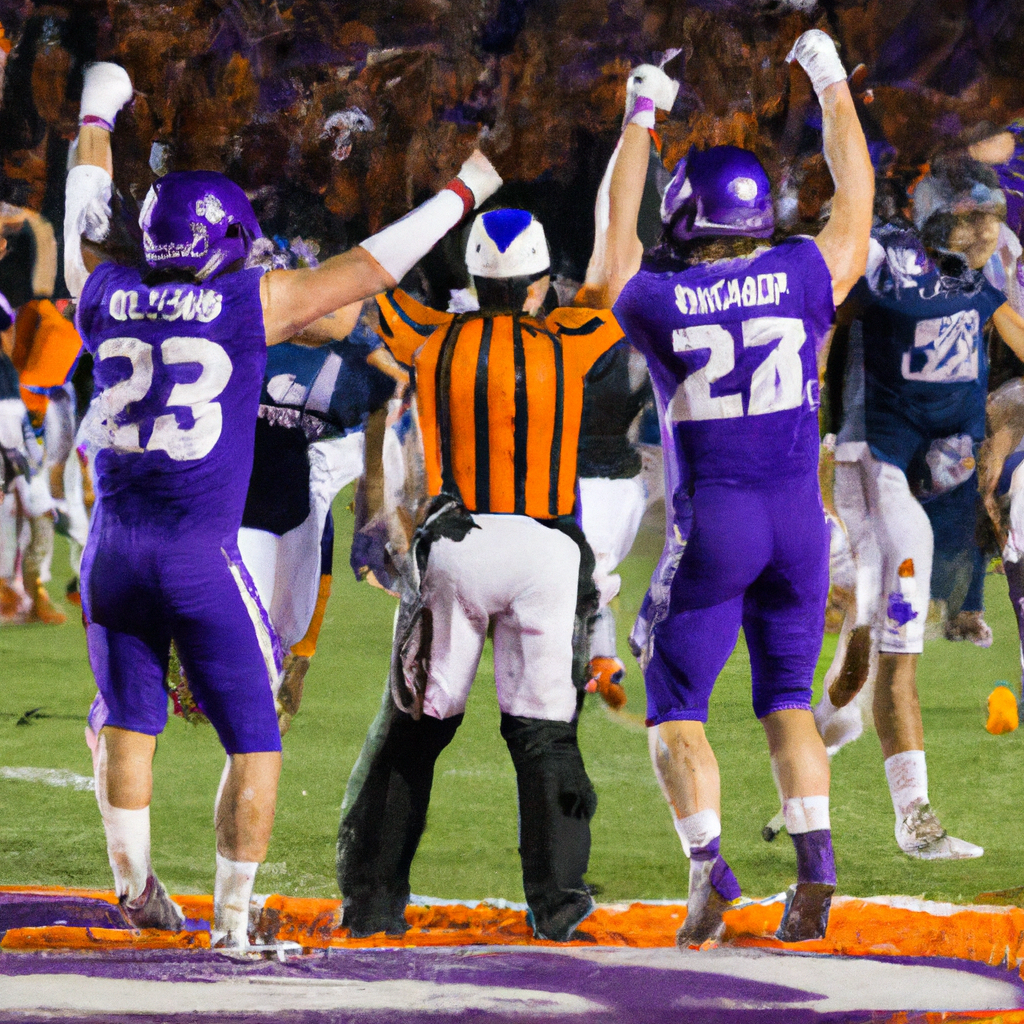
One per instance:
[(610, 515), (523, 577), (892, 542), (286, 568)]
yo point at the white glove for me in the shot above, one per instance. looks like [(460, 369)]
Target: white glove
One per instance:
[(86, 212), (816, 54), (105, 90), (480, 177), (647, 89)]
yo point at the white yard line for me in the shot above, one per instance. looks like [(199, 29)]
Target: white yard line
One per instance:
[(48, 777)]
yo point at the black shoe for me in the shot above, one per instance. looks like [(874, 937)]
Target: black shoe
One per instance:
[(806, 913), (559, 925), (370, 917)]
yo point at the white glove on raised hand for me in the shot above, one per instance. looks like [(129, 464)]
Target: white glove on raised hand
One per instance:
[(105, 90), (816, 53), (647, 89), (480, 177)]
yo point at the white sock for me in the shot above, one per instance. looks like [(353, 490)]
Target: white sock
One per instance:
[(697, 829), (128, 848), (805, 814), (907, 775), (232, 889)]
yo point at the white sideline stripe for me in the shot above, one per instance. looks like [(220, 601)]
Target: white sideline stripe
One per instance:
[(49, 777), (73, 993)]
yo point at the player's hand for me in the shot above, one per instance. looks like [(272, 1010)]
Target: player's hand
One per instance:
[(648, 89), (816, 53), (480, 177), (105, 90), (606, 676)]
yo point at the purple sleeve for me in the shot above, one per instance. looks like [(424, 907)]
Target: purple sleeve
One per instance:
[(628, 310), (89, 302)]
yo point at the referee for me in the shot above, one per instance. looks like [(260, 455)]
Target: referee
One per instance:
[(499, 395)]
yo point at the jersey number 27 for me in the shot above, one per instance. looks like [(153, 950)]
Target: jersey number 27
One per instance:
[(777, 383), (180, 443)]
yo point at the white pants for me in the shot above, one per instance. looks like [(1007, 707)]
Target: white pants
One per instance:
[(892, 542), (286, 569), (523, 576)]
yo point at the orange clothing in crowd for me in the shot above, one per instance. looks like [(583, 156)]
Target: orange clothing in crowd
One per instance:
[(46, 347)]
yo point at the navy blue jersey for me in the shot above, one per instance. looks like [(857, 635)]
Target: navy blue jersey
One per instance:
[(308, 394), (926, 370)]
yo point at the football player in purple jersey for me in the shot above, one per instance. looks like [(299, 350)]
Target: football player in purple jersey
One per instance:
[(180, 350), (732, 329)]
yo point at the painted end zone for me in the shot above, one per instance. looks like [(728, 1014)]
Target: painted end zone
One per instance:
[(885, 961), (58, 918)]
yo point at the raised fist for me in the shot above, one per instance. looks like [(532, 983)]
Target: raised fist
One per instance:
[(648, 88), (105, 90), (816, 53)]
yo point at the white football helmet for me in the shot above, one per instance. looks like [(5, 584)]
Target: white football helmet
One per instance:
[(507, 243)]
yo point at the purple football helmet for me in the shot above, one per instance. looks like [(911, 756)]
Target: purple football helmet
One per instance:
[(197, 220), (719, 191)]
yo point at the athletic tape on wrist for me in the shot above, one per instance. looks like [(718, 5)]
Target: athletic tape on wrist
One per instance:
[(816, 53)]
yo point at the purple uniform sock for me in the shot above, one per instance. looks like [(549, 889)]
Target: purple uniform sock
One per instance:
[(722, 878), (815, 861)]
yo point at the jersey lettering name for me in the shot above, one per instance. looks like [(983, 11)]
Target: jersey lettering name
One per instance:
[(167, 304), (755, 290)]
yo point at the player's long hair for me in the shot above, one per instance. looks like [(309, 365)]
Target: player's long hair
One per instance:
[(671, 254)]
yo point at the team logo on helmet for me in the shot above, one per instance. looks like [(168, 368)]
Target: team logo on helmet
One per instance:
[(719, 191), (198, 221), (507, 243)]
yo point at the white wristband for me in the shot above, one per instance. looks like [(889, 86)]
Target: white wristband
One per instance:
[(816, 54), (86, 212), (400, 246)]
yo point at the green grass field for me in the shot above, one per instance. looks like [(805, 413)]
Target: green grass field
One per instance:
[(53, 836)]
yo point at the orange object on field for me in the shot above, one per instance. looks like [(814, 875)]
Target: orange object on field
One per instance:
[(45, 349), (1003, 715)]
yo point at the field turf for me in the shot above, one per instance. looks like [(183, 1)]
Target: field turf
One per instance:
[(53, 836)]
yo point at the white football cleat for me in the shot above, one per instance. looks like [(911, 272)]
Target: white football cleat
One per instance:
[(920, 834)]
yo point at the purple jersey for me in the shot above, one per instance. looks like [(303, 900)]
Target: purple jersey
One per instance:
[(732, 349), (178, 374)]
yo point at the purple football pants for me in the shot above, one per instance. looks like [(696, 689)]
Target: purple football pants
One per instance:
[(756, 557), (140, 590)]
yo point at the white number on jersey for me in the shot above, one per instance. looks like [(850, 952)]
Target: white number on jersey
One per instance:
[(198, 440), (181, 444), (950, 347), (777, 384)]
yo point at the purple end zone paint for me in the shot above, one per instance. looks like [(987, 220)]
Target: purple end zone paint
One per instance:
[(653, 995)]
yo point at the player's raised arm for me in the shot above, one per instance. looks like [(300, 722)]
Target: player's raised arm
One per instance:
[(617, 247), (844, 239), (292, 299), (105, 90)]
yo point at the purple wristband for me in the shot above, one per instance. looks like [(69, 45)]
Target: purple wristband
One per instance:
[(642, 112), (95, 121)]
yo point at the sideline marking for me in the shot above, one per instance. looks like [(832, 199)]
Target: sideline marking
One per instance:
[(49, 777)]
